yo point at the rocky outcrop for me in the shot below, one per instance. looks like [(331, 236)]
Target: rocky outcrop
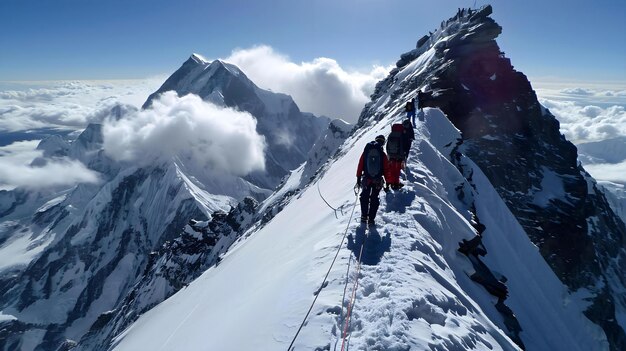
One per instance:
[(517, 144)]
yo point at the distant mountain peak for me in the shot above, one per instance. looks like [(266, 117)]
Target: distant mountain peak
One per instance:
[(198, 58)]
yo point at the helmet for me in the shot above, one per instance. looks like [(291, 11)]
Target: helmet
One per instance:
[(380, 139)]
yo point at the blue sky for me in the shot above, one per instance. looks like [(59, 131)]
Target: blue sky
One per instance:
[(86, 39)]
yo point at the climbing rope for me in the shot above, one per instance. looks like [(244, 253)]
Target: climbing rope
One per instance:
[(345, 287), (327, 204), (317, 293), (343, 297), (352, 300)]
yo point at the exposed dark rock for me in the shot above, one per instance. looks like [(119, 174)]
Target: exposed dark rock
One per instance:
[(422, 41), (517, 144)]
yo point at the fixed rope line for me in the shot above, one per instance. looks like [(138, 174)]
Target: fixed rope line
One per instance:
[(327, 204), (343, 298), (318, 292), (352, 299), (345, 287)]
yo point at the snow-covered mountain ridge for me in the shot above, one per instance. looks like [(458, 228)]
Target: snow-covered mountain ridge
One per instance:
[(418, 294), (76, 261), (289, 133), (448, 267), (517, 143)]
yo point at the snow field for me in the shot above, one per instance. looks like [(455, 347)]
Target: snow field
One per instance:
[(414, 290), (265, 284)]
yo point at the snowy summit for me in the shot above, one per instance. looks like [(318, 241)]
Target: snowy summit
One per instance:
[(498, 240)]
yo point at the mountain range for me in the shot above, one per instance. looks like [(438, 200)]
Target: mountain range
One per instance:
[(499, 240)]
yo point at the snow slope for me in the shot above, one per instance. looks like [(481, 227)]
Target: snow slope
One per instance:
[(413, 292)]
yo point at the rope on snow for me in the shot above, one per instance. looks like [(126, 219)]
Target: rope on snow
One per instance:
[(327, 204), (317, 293)]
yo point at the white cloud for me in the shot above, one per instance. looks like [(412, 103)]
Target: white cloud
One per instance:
[(320, 86), (585, 93), (580, 123), (213, 137), (577, 91), (613, 172), (16, 171), (587, 111), (66, 105), (591, 111)]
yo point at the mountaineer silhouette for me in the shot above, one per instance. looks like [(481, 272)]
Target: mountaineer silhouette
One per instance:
[(370, 177)]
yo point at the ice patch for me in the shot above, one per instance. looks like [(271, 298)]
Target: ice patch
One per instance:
[(6, 317), (48, 205), (551, 189), (20, 248)]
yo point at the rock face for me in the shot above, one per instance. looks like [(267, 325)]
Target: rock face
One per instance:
[(325, 147), (517, 144), (171, 268), (290, 133)]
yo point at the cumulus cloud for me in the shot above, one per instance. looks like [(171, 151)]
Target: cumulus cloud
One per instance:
[(320, 86), (587, 111), (16, 169), (585, 123), (66, 105), (214, 137), (591, 111)]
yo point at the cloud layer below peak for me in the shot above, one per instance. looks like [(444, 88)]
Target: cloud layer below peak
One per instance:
[(586, 111), (16, 169)]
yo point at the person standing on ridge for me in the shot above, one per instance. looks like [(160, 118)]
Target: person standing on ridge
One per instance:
[(410, 110), (370, 175), (420, 105), (396, 154), (408, 136)]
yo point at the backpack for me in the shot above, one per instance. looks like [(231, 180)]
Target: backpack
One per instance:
[(373, 155), (407, 124), (409, 106), (394, 142)]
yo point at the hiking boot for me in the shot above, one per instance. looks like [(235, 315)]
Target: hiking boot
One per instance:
[(371, 223)]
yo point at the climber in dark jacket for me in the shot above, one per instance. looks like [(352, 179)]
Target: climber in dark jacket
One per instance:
[(410, 109), (370, 175), (408, 136), (420, 105)]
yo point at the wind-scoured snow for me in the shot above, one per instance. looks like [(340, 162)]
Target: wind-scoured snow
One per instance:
[(290, 183), (551, 189), (21, 247), (414, 291), (6, 317)]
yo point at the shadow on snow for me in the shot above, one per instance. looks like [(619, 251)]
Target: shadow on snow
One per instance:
[(374, 246)]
